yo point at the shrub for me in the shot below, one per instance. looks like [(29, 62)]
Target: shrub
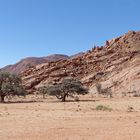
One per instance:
[(42, 90), (106, 91), (136, 95), (99, 88), (76, 99), (103, 108)]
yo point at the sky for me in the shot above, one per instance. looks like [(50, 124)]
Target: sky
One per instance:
[(42, 27)]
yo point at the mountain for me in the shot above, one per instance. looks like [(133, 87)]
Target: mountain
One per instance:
[(77, 55), (116, 66), (31, 62)]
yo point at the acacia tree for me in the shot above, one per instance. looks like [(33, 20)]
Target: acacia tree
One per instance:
[(10, 84), (68, 87)]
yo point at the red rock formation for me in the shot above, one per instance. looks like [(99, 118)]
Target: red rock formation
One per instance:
[(99, 64)]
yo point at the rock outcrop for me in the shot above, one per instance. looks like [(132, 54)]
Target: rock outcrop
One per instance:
[(115, 65)]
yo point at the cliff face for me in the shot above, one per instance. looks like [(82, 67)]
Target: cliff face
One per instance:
[(115, 65), (32, 61)]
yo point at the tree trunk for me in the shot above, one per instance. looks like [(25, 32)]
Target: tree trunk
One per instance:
[(2, 98), (64, 98)]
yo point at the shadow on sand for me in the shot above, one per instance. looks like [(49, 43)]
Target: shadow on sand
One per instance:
[(14, 102), (49, 101), (72, 101)]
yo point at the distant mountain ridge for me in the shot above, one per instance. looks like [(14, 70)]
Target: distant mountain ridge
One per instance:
[(32, 61), (77, 55)]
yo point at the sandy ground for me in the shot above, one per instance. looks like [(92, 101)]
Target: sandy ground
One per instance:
[(52, 120)]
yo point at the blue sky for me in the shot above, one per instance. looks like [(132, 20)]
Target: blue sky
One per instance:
[(44, 27)]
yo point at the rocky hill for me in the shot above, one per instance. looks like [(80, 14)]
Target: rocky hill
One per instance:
[(32, 61), (77, 55), (115, 65)]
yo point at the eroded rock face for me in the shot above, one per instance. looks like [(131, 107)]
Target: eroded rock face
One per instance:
[(117, 62)]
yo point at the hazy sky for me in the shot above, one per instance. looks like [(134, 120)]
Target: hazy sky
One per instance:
[(43, 27)]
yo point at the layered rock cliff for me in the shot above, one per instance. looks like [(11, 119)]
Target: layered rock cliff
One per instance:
[(115, 65)]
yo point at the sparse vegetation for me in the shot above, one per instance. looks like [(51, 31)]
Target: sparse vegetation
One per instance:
[(43, 90), (106, 91), (68, 87), (136, 95), (99, 88), (10, 85), (103, 108), (76, 99)]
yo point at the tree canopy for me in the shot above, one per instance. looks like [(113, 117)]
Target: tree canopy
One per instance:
[(68, 87), (10, 84)]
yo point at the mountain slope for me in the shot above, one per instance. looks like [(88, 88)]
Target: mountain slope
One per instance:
[(32, 61), (116, 65)]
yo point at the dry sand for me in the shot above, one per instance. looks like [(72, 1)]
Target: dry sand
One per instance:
[(52, 120)]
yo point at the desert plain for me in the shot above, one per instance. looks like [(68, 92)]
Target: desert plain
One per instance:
[(50, 119)]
